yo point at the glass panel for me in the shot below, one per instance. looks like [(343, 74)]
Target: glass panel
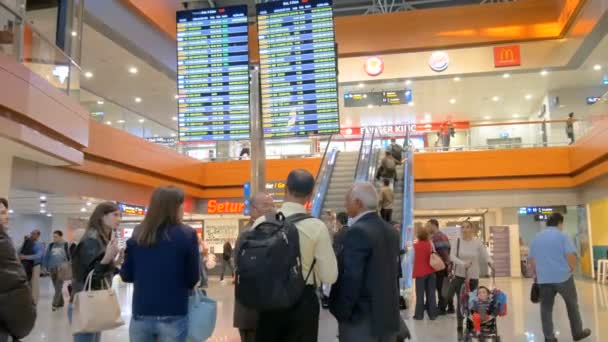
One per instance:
[(10, 24)]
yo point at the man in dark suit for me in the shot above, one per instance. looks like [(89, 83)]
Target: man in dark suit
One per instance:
[(246, 319), (365, 299)]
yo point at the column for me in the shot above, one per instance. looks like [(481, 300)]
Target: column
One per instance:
[(258, 149), (6, 169)]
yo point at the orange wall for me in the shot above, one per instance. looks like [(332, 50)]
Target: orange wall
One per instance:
[(418, 30)]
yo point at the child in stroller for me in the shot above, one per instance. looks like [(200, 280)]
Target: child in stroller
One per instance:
[(482, 309)]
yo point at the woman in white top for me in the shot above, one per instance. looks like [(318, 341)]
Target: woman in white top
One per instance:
[(467, 256)]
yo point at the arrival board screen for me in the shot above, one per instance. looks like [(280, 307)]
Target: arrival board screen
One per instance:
[(298, 68), (213, 74)]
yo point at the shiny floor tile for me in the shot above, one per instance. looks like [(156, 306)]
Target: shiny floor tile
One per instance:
[(521, 324)]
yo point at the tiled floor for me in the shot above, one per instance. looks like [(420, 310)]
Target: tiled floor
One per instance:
[(522, 323)]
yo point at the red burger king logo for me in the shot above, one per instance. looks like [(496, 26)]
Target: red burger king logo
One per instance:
[(373, 66)]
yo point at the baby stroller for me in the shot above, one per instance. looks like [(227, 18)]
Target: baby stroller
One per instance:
[(481, 317)]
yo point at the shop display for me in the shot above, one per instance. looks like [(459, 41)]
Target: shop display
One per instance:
[(217, 232)]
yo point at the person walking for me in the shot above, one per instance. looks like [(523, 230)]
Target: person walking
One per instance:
[(203, 250), (57, 256), (553, 259), (387, 198), (570, 128), (466, 257), (246, 319), (396, 151), (365, 299), (31, 255), (300, 323), (425, 276), (95, 252), (227, 260), (17, 308), (162, 247), (441, 242)]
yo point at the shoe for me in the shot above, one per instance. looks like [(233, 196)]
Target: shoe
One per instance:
[(451, 311), (432, 318), (586, 333), (460, 334), (53, 308), (417, 318)]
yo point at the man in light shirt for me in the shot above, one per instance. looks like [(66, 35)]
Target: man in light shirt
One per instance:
[(301, 322)]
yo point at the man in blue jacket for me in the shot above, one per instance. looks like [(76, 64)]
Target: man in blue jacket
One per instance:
[(365, 299)]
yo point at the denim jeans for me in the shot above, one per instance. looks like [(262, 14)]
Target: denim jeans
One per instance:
[(91, 337), (567, 290), (158, 328), (425, 289)]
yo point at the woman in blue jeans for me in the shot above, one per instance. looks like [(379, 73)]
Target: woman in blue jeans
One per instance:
[(162, 261)]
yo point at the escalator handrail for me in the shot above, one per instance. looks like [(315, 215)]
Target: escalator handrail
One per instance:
[(324, 155), (322, 184), (365, 133)]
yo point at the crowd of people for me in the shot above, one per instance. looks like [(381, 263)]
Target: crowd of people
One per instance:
[(356, 266)]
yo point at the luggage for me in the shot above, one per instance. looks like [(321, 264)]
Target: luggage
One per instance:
[(269, 266)]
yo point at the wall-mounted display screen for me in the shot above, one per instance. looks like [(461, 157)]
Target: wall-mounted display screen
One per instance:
[(378, 98), (298, 68), (213, 74)]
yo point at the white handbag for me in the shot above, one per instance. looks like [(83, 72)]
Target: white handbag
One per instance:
[(95, 310), (436, 262)]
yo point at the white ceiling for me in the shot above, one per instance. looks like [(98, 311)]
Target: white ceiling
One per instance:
[(29, 202)]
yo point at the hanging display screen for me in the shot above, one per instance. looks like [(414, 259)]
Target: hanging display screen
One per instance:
[(213, 74), (298, 68)]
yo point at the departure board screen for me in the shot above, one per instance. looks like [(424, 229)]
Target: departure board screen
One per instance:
[(213, 74), (298, 68)]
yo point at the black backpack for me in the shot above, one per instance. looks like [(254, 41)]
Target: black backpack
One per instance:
[(268, 264)]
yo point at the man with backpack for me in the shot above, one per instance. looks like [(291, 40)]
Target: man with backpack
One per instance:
[(282, 261), (396, 151)]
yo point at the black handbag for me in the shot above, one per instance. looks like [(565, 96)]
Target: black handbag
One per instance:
[(535, 293), (404, 332)]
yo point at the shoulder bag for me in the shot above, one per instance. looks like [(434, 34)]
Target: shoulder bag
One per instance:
[(436, 262), (202, 316), (95, 310)]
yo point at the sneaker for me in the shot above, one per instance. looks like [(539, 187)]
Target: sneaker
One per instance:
[(586, 333)]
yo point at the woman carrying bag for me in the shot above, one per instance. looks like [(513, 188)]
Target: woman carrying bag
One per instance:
[(162, 261), (93, 260), (425, 276), (467, 256)]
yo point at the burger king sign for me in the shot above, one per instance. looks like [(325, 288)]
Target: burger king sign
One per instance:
[(439, 61), (373, 66)]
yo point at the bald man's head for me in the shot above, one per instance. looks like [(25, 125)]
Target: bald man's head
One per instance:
[(261, 204)]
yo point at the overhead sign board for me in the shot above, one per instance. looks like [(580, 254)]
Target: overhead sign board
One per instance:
[(213, 74), (131, 209), (507, 56), (298, 68), (379, 98)]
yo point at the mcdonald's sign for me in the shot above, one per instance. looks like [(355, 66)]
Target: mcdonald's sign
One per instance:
[(507, 56)]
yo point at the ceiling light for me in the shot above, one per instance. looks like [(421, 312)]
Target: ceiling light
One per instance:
[(141, 120), (487, 117), (88, 74), (515, 116), (370, 106), (42, 211), (173, 134), (174, 118), (133, 70), (495, 98), (82, 210), (42, 205), (138, 99), (506, 75), (156, 135), (452, 101), (457, 79), (544, 73), (49, 215), (411, 104), (361, 85), (100, 102), (74, 33), (529, 97), (408, 82), (176, 97), (89, 204), (11, 211), (109, 123), (43, 197), (120, 121), (597, 67)]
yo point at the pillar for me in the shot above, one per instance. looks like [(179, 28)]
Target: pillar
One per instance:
[(258, 149), (6, 169)]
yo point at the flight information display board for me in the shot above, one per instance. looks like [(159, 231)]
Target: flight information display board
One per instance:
[(298, 68), (213, 74)]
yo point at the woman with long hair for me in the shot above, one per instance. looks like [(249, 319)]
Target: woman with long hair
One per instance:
[(425, 276), (96, 252), (467, 257), (162, 261)]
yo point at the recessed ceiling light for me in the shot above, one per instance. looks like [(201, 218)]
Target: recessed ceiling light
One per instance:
[(89, 204), (43, 197), (173, 134), (495, 98), (74, 33), (109, 123), (100, 102), (42, 205), (141, 120), (138, 99), (49, 215), (42, 211), (544, 73), (411, 104), (408, 82), (11, 211), (515, 116), (506, 75), (452, 101), (88, 74), (597, 67), (156, 135), (82, 210), (457, 79), (176, 97), (529, 97), (361, 85), (174, 118), (133, 70), (120, 121), (370, 106), (487, 117)]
